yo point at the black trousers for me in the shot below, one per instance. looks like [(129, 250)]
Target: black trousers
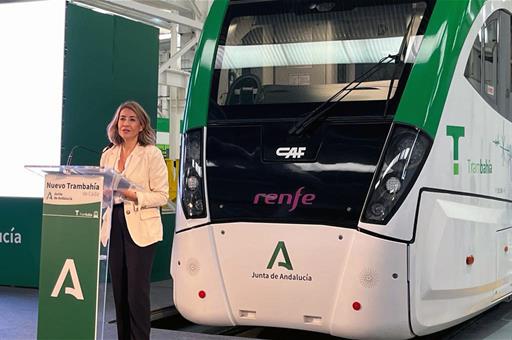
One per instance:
[(130, 271)]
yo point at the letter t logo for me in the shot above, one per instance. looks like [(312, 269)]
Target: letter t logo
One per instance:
[(455, 132)]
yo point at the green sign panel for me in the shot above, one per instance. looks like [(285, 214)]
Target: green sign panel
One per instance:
[(68, 281), (20, 241)]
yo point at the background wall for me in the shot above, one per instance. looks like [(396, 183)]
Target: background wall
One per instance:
[(108, 59)]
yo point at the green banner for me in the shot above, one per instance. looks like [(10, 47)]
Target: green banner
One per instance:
[(69, 272), (20, 241)]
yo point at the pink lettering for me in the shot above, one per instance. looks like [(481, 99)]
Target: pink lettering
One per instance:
[(296, 199), (308, 199), (257, 198), (292, 200), (270, 198), (288, 198)]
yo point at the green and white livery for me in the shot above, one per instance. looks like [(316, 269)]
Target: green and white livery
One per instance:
[(346, 166)]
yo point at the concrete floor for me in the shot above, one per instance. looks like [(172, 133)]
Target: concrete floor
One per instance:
[(18, 314), (18, 319)]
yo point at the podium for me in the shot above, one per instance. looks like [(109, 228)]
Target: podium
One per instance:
[(77, 208)]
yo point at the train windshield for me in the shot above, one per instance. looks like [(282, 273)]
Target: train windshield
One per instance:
[(302, 53), (302, 99)]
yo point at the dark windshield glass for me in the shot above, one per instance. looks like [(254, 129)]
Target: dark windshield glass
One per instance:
[(306, 52)]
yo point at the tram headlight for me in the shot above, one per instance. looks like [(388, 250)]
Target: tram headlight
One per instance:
[(406, 151), (393, 185), (192, 183), (191, 178)]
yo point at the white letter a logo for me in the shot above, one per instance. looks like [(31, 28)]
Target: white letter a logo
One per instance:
[(76, 290)]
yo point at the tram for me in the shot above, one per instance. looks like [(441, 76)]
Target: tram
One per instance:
[(346, 166)]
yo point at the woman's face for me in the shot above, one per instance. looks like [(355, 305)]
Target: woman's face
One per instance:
[(128, 125)]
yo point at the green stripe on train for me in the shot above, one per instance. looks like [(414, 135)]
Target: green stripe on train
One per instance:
[(427, 88), (196, 109)]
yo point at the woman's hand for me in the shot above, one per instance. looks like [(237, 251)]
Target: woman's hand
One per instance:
[(128, 194)]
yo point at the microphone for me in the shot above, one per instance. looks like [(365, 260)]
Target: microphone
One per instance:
[(70, 155), (107, 147)]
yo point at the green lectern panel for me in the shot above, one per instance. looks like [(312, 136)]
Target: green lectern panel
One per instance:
[(69, 275)]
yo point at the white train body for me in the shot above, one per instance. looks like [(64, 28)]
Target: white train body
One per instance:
[(443, 254)]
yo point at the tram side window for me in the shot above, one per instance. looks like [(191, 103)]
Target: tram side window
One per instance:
[(490, 56), (488, 68), (474, 66)]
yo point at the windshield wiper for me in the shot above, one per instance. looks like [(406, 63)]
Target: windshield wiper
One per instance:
[(400, 61), (323, 108)]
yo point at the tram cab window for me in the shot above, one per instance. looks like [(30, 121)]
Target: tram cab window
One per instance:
[(307, 55), (488, 68), (474, 65), (490, 59)]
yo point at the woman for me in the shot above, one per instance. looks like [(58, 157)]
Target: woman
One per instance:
[(136, 223)]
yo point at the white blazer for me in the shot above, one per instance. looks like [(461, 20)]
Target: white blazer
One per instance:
[(147, 170)]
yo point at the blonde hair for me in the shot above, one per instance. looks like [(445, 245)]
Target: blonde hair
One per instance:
[(146, 136)]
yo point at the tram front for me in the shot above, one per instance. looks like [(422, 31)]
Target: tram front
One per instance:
[(290, 147)]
